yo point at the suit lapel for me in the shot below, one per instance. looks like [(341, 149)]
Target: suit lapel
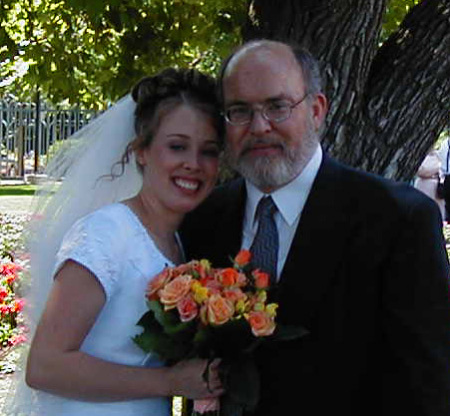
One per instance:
[(317, 247)]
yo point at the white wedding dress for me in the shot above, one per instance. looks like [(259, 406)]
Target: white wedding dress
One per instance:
[(113, 244)]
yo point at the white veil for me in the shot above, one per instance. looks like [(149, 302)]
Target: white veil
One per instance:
[(86, 163)]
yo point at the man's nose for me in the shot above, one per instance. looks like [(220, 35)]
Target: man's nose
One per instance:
[(259, 124)]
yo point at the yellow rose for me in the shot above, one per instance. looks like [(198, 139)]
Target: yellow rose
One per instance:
[(262, 296), (258, 306), (241, 306), (271, 309), (206, 264), (200, 292)]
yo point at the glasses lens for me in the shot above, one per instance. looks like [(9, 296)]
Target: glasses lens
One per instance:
[(239, 114), (277, 110)]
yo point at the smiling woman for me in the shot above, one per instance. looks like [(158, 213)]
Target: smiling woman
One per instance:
[(82, 357), (180, 167)]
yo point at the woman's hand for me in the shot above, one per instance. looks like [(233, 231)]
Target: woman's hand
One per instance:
[(196, 379)]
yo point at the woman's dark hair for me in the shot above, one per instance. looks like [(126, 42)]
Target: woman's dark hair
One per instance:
[(158, 94)]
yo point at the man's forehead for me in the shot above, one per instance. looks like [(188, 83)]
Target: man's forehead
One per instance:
[(259, 54), (258, 77)]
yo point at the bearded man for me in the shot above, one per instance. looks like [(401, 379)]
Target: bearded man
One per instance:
[(357, 260)]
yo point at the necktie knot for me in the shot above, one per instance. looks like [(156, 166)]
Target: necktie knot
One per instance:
[(266, 208)]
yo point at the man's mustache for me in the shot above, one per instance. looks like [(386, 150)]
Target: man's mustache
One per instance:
[(254, 142)]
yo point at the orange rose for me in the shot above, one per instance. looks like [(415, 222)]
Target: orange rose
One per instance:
[(184, 268), (261, 323), (228, 276), (204, 281), (187, 308), (174, 291), (242, 258), (158, 282), (241, 280), (212, 284), (201, 268), (234, 294), (219, 310), (261, 279)]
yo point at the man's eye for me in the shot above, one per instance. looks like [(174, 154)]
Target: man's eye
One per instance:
[(277, 105), (238, 111)]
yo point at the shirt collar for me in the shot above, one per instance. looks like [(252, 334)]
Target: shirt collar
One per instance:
[(291, 198)]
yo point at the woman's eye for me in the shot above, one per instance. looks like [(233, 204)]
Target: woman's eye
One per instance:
[(177, 147)]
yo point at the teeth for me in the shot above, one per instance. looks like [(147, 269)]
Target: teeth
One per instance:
[(192, 186)]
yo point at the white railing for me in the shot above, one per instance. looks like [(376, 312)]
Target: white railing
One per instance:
[(29, 130)]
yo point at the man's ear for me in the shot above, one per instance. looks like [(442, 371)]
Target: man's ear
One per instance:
[(319, 109)]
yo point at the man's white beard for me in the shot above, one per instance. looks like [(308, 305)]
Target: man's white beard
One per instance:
[(272, 172)]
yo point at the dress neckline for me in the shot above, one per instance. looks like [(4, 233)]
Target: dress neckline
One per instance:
[(152, 238)]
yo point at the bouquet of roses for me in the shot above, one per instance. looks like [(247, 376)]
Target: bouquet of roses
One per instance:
[(196, 310)]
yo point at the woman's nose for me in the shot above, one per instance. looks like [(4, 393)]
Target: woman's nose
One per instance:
[(192, 161)]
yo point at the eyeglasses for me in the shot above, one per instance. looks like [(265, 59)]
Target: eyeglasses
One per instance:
[(274, 111)]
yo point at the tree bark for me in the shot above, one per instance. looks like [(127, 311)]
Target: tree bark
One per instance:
[(388, 104)]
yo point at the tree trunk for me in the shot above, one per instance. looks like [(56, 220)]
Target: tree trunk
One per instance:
[(388, 104)]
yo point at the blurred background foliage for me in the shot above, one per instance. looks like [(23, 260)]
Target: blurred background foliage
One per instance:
[(90, 52)]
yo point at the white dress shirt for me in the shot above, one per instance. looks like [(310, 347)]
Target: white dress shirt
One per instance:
[(290, 200)]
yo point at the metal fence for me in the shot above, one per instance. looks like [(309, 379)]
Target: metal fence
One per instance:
[(29, 130)]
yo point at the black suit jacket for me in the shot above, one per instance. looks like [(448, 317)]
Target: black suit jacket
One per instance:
[(367, 274)]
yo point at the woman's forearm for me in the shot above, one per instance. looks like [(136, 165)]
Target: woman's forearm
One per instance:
[(82, 376)]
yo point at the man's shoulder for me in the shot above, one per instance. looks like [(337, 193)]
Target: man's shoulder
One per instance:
[(223, 198), (223, 195), (372, 189)]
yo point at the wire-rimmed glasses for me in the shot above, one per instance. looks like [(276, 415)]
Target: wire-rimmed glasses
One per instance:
[(274, 111)]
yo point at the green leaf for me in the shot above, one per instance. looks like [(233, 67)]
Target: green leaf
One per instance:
[(168, 321), (154, 339), (167, 348), (114, 43), (165, 318), (289, 332)]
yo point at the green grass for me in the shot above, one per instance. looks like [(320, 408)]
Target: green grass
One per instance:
[(17, 190)]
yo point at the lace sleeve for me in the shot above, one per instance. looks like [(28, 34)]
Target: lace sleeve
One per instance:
[(94, 242)]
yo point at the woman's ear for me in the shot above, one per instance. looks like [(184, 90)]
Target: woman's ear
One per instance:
[(141, 156)]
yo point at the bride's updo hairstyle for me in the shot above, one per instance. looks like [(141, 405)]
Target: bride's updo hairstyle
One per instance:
[(157, 95)]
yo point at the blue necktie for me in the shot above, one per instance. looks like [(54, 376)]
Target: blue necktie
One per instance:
[(265, 245)]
